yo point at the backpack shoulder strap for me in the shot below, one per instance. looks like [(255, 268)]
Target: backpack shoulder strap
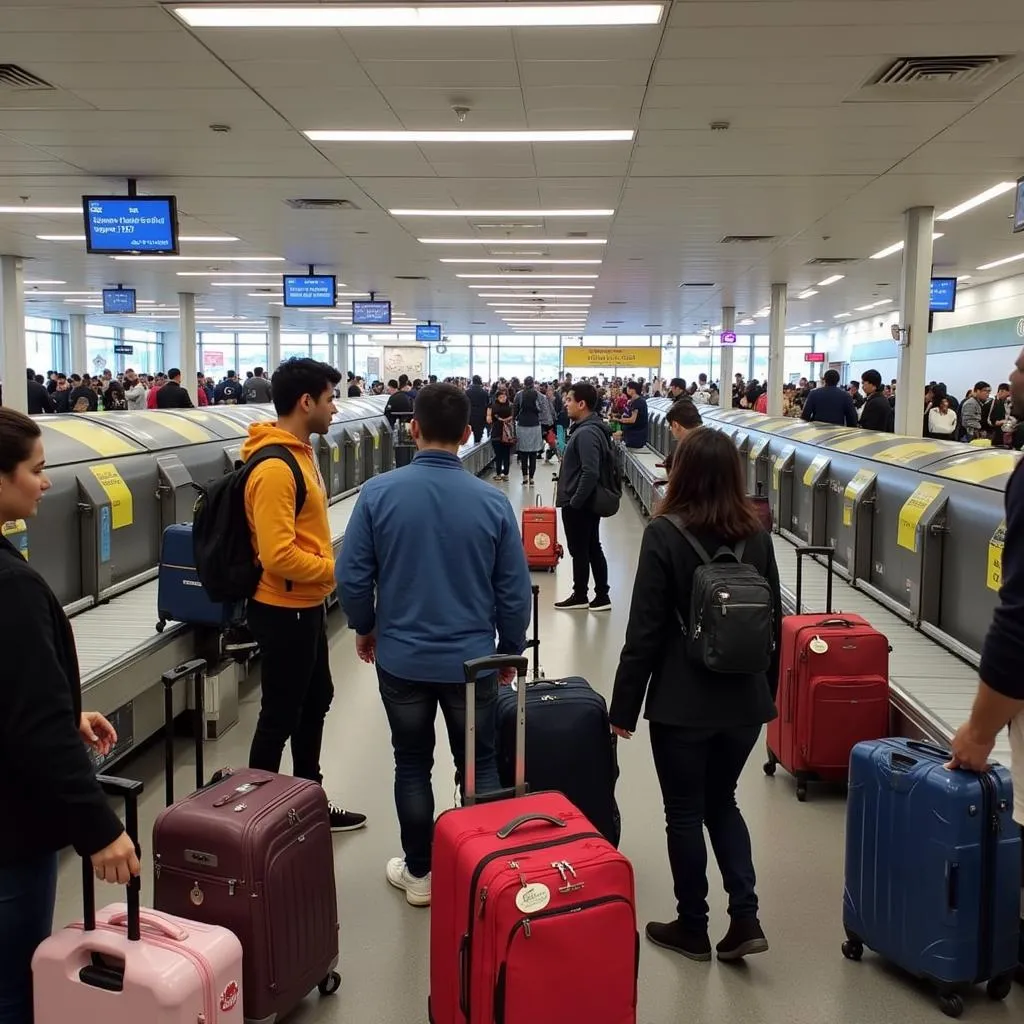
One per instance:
[(279, 451), (689, 538)]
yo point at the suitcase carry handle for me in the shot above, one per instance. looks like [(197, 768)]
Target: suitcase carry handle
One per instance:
[(524, 819), (830, 554), (930, 748), (197, 670), (155, 923), (837, 622), (129, 790), (474, 669)]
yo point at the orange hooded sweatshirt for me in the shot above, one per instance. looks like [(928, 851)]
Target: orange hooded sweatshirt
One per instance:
[(296, 552)]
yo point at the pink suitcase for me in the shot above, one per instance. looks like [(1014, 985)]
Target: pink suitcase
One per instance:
[(124, 965)]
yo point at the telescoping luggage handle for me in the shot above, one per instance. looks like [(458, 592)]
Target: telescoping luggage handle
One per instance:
[(830, 554), (474, 669), (197, 670)]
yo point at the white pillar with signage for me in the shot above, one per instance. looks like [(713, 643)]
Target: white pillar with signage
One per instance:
[(273, 343), (915, 301), (776, 349), (728, 343), (79, 347), (187, 328), (12, 334)]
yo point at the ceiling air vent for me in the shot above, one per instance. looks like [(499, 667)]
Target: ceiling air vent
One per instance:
[(14, 77), (578, 234), (321, 204), (515, 269), (697, 284), (410, 277), (940, 79), (738, 239), (832, 261)]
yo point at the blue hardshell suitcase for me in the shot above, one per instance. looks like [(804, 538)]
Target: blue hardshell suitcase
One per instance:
[(933, 868), (180, 595)]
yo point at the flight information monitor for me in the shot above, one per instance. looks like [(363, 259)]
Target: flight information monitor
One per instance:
[(125, 225), (310, 291), (371, 314), (428, 332), (943, 295), (118, 300)]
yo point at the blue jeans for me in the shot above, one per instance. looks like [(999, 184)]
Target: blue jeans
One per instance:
[(28, 892), (412, 708)]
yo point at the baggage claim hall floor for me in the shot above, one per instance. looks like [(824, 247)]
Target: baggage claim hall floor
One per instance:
[(798, 850)]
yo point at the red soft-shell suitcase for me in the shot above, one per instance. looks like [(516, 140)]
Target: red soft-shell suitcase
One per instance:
[(254, 854), (833, 689), (540, 536), (533, 918)]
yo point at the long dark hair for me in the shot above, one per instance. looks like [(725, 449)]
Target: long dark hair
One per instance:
[(706, 488)]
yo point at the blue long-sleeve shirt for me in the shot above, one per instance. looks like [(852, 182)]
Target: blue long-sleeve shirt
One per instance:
[(433, 561)]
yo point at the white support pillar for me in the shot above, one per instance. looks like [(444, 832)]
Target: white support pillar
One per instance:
[(776, 349), (187, 328), (915, 299), (725, 369), (332, 349), (12, 333), (79, 348), (273, 343), (343, 356)]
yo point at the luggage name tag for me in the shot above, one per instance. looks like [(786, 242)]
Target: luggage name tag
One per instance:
[(532, 896), (196, 896), (818, 646)]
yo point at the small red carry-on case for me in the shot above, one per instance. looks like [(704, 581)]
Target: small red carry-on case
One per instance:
[(533, 918), (833, 689), (540, 536)]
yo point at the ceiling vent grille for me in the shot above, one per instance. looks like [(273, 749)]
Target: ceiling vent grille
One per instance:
[(411, 277), (832, 261), (14, 77), (321, 204), (578, 234), (940, 79), (949, 70), (697, 284), (514, 269), (740, 239)]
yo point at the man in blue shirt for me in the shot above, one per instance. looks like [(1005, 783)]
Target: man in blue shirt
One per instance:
[(830, 404), (433, 568), (634, 423)]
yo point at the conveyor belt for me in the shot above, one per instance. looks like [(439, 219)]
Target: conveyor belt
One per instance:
[(338, 515), (649, 459)]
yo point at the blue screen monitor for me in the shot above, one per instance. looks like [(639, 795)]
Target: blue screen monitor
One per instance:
[(315, 291), (118, 300), (428, 332), (1018, 209), (943, 295), (371, 314), (126, 225)]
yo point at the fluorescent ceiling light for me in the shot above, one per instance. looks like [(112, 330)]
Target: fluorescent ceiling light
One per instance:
[(898, 247), (97, 294), (511, 296), (499, 260), (502, 213), (225, 273), (807, 294), (586, 135), (749, 322), (839, 316), (882, 302), (203, 259), (513, 241), (962, 277), (860, 309), (523, 279), (533, 287), (181, 238), (808, 324), (43, 282), (982, 197), (830, 280), (1002, 263), (509, 306), (41, 209)]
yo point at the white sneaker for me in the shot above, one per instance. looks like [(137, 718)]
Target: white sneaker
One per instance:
[(417, 890)]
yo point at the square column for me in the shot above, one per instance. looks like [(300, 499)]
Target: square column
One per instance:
[(273, 343), (187, 341), (12, 333), (776, 348), (725, 369), (343, 355), (79, 348), (915, 300)]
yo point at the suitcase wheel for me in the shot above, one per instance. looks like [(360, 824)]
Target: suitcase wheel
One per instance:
[(160, 625), (769, 765), (952, 1005), (999, 988), (853, 950), (801, 790), (330, 984)]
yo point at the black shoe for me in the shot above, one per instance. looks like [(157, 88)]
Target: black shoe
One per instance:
[(694, 946), (573, 603), (346, 821), (601, 604), (743, 938)]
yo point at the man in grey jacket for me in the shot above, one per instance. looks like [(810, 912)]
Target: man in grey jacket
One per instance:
[(257, 388), (588, 444)]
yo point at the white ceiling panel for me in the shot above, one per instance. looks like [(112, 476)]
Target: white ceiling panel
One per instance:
[(481, 101), (129, 75), (433, 44), (62, 44), (444, 74), (309, 74), (548, 73)]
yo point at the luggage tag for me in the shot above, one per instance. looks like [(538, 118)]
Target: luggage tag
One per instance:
[(532, 896), (818, 646)]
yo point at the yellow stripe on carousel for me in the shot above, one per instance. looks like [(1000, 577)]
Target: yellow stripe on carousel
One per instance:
[(103, 442)]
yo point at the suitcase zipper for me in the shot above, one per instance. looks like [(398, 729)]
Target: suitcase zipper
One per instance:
[(199, 880), (989, 848)]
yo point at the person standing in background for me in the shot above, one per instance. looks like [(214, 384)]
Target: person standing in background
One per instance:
[(478, 403), (972, 412), (876, 412), (501, 425), (529, 436), (830, 404), (257, 388)]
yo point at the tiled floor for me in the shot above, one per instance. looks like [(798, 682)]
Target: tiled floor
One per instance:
[(798, 853)]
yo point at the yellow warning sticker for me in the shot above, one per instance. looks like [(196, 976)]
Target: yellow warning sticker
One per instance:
[(860, 481), (994, 579), (376, 440), (185, 429), (913, 511), (858, 439), (122, 508), (817, 465), (337, 453), (978, 468), (905, 454), (17, 531), (102, 442)]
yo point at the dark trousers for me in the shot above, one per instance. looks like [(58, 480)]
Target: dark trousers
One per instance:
[(583, 538), (698, 770), (27, 894), (411, 709), (502, 457), (478, 429), (528, 460), (297, 687)]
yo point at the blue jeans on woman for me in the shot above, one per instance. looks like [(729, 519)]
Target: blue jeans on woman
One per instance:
[(28, 892), (412, 708)]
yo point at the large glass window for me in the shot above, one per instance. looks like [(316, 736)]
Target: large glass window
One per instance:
[(43, 344), (294, 346), (547, 363), (453, 362), (320, 347), (217, 353), (147, 351), (99, 345)]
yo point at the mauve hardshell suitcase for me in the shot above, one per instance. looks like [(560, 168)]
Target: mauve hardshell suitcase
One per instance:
[(933, 868), (540, 536), (126, 966), (833, 690), (532, 916), (180, 595)]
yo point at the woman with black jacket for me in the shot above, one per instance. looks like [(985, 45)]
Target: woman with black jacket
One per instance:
[(703, 724), (48, 789)]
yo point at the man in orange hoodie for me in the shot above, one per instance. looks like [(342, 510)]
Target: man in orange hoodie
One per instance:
[(292, 541)]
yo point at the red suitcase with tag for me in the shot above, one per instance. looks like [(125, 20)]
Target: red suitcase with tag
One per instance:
[(540, 536), (533, 918), (833, 689)]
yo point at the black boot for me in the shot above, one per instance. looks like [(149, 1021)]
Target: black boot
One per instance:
[(692, 945), (743, 938)]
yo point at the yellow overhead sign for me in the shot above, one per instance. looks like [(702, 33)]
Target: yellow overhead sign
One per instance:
[(641, 357)]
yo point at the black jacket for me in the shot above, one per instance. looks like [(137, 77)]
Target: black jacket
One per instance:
[(479, 400), (39, 399), (680, 692), (173, 396), (589, 442), (229, 392), (878, 414), (83, 392), (48, 788), (399, 402), (830, 404)]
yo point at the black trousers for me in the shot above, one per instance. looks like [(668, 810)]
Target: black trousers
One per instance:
[(583, 539), (477, 427), (528, 460), (502, 457), (297, 687)]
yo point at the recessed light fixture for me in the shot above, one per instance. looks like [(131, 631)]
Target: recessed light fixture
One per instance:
[(749, 322), (982, 197), (224, 273), (496, 260), (181, 238), (513, 241), (898, 247), (807, 294), (808, 324), (43, 282), (831, 280), (1002, 263), (41, 209), (507, 306), (839, 316), (525, 279), (532, 287), (97, 294), (586, 135), (860, 309), (202, 259), (512, 296), (502, 213), (962, 277)]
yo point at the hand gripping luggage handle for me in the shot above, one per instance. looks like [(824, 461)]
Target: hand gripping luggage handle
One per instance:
[(524, 819), (473, 669), (197, 670), (830, 554), (129, 790)]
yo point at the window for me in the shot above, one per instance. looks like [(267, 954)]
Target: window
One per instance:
[(148, 351), (482, 357), (320, 347), (454, 362), (217, 354), (99, 346), (44, 344), (547, 363), (294, 346), (514, 358)]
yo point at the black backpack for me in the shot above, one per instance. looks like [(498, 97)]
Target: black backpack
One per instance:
[(608, 492), (732, 613), (220, 530)]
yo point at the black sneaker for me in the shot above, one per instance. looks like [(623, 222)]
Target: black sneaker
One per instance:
[(346, 821), (573, 603), (601, 604), (692, 945), (743, 938)]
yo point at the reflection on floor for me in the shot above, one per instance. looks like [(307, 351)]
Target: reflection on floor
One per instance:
[(798, 853)]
